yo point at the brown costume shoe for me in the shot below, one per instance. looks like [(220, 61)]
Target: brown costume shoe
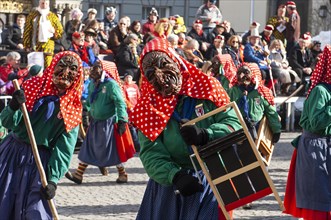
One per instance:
[(122, 178), (74, 178), (104, 171)]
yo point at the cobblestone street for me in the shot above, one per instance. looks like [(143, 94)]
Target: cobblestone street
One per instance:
[(100, 197)]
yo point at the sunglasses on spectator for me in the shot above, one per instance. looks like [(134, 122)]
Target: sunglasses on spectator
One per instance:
[(122, 24), (235, 42)]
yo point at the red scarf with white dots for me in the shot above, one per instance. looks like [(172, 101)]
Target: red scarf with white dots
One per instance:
[(153, 111), (70, 102), (322, 71)]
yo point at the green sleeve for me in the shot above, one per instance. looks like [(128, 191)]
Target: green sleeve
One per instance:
[(234, 93), (271, 113), (10, 119), (316, 115), (157, 161), (118, 99), (227, 122), (62, 152)]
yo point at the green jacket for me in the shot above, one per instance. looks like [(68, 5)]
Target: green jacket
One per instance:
[(316, 114), (108, 102), (258, 107), (164, 157), (51, 134)]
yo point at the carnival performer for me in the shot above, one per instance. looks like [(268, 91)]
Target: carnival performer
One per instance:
[(41, 29), (172, 92), (55, 111), (254, 100), (308, 186), (108, 141), (224, 70)]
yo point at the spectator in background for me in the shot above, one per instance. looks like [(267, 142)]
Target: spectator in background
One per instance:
[(132, 94), (117, 35), (91, 15), (210, 15), (179, 26), (153, 17), (127, 57), (102, 38), (280, 65), (90, 39), (301, 59), (109, 20), (292, 26), (254, 25), (173, 41), (135, 28), (82, 48), (278, 22), (162, 28), (192, 53), (267, 36), (41, 29), (218, 30), (15, 34), (75, 24), (198, 34), (215, 48), (315, 48), (181, 40), (232, 47)]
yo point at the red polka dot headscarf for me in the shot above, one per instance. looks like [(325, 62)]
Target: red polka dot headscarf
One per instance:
[(153, 111), (70, 102), (322, 71), (229, 68), (257, 80)]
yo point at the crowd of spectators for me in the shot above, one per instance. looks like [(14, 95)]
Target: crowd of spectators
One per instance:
[(285, 57)]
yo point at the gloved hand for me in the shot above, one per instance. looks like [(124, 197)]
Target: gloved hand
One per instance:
[(18, 98), (275, 137), (186, 184), (121, 127), (194, 135), (12, 76), (49, 191)]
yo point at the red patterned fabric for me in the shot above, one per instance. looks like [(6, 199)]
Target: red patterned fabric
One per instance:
[(322, 71), (153, 111), (70, 102), (230, 70), (257, 79)]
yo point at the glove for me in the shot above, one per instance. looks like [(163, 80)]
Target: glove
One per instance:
[(187, 184), (121, 127), (12, 76), (194, 135), (275, 137), (49, 191), (18, 98)]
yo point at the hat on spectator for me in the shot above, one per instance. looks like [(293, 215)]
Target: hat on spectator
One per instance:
[(78, 35), (128, 73), (305, 37), (92, 10), (268, 27), (90, 31), (110, 10), (291, 4), (316, 42), (212, 1), (254, 24), (35, 70), (220, 37), (198, 22), (154, 11)]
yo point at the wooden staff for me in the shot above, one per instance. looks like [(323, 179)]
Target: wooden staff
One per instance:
[(35, 151)]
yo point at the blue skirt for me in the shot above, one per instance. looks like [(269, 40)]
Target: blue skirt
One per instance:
[(20, 181), (99, 147), (313, 172), (161, 202)]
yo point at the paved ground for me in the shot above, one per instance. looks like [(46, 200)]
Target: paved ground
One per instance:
[(100, 198)]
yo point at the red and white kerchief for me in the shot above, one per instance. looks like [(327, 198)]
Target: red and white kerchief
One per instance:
[(153, 111), (322, 71), (70, 102)]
